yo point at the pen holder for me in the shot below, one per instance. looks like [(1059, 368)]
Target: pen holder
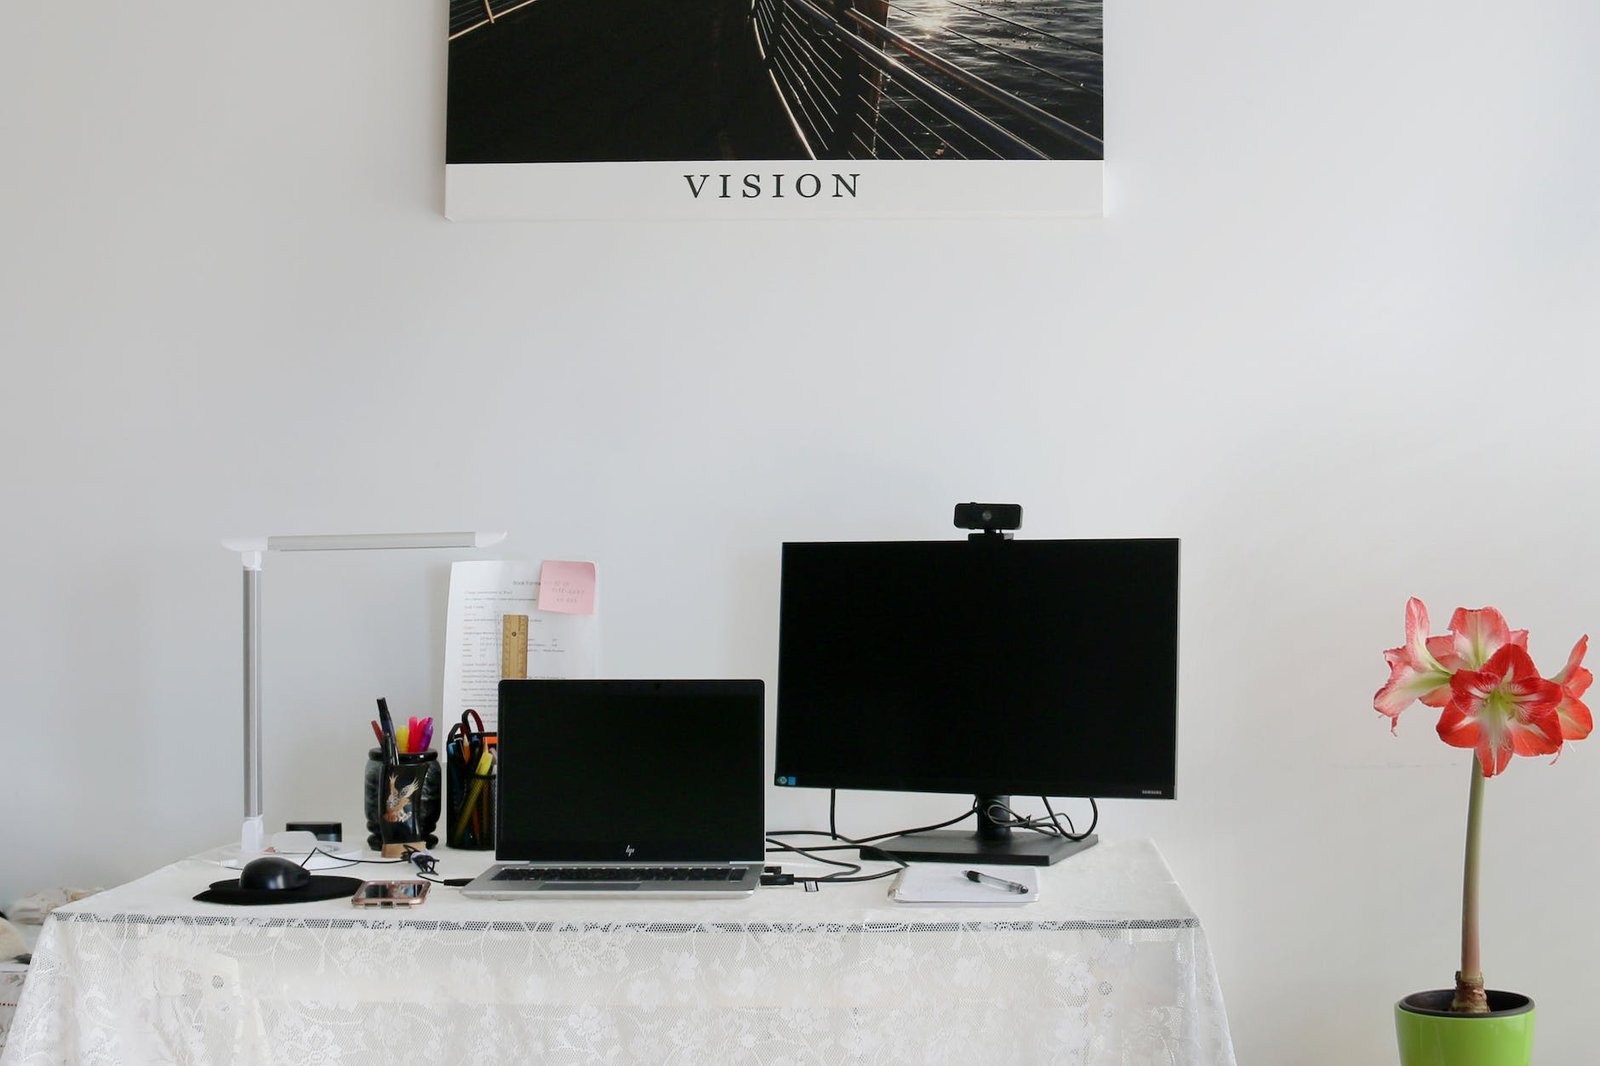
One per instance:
[(469, 817), (403, 804)]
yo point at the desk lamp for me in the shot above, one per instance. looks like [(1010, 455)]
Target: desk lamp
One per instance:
[(252, 835)]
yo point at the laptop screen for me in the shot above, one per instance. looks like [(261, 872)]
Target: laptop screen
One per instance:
[(631, 771)]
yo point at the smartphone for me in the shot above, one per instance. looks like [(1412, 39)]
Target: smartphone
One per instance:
[(390, 894)]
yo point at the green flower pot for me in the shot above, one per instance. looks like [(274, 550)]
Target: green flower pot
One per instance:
[(1430, 1035)]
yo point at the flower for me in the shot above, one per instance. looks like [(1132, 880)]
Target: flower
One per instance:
[(1415, 673), (1576, 722), (1504, 708), (1421, 668), (1491, 698), (1475, 637), (1489, 693)]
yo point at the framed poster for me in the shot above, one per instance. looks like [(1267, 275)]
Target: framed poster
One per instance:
[(774, 108)]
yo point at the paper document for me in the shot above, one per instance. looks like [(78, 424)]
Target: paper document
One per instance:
[(481, 594), (947, 884)]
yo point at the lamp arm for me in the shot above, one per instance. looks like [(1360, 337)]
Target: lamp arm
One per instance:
[(252, 833)]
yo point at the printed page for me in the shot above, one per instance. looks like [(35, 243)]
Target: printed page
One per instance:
[(481, 593)]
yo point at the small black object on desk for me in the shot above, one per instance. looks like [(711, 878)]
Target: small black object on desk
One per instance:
[(273, 873), (332, 832), (276, 879)]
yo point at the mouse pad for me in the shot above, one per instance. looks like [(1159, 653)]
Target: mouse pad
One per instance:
[(318, 888)]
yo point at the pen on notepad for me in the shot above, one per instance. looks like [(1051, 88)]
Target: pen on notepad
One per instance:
[(998, 882)]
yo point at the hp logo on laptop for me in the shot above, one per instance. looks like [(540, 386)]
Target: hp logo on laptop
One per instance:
[(628, 851)]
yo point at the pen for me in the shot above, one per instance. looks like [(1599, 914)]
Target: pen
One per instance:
[(387, 728), (998, 882)]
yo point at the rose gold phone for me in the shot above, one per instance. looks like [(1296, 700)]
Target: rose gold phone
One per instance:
[(390, 894)]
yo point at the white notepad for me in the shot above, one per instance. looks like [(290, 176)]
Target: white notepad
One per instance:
[(938, 883)]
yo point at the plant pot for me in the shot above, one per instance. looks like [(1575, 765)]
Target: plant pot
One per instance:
[(1430, 1035)]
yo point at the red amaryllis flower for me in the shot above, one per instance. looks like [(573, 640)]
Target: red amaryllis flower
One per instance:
[(1474, 637), (1421, 668), (1576, 722), (1502, 710), (1415, 672)]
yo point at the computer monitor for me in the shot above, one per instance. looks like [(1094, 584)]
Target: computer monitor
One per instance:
[(993, 667)]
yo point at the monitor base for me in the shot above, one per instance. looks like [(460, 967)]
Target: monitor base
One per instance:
[(954, 845)]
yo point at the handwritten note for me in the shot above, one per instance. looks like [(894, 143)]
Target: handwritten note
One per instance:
[(566, 587)]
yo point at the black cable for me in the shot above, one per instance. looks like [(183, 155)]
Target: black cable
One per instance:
[(968, 813), (851, 868), (345, 864), (1017, 820), (796, 849), (1093, 806), (423, 874), (1050, 825), (832, 833)]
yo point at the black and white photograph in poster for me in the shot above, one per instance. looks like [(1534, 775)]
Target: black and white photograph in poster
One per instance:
[(774, 108)]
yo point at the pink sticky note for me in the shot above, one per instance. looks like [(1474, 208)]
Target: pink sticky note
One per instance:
[(566, 587)]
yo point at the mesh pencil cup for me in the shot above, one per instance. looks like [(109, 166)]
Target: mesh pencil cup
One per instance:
[(469, 815)]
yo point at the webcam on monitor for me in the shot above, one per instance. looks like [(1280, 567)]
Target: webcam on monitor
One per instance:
[(993, 519)]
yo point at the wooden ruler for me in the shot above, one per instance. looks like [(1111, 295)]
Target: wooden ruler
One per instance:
[(514, 645)]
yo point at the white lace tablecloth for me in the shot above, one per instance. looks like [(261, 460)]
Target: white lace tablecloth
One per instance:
[(1110, 966)]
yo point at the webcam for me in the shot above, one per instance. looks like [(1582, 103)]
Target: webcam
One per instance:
[(994, 519)]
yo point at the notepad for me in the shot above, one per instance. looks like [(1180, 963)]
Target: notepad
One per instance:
[(933, 884)]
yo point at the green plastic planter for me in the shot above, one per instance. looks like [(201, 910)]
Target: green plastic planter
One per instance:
[(1430, 1035)]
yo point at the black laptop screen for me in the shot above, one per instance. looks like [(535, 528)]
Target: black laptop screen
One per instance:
[(641, 771)]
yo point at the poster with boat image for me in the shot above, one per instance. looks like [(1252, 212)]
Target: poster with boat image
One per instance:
[(733, 109)]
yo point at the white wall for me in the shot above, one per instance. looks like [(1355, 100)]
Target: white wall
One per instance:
[(1337, 333)]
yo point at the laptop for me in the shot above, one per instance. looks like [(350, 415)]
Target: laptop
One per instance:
[(628, 788)]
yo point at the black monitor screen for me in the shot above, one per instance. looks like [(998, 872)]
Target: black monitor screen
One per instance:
[(1004, 667)]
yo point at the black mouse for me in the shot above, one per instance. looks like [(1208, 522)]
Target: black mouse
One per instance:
[(274, 873)]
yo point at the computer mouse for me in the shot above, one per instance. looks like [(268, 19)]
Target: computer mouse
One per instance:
[(273, 873)]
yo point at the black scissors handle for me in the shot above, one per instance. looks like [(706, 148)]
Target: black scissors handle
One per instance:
[(472, 742)]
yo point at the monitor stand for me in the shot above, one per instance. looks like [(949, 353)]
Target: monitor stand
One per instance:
[(991, 844)]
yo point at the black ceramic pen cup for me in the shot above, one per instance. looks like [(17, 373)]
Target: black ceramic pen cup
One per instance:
[(402, 804), (469, 813)]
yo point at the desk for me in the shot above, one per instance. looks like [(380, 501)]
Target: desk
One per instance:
[(1110, 966)]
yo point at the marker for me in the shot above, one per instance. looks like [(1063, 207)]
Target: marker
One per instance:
[(998, 882)]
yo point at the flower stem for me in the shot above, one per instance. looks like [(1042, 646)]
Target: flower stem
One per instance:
[(1470, 997)]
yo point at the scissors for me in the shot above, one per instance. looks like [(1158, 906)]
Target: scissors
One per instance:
[(471, 739)]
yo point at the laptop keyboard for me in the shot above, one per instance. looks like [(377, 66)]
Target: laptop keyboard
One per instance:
[(700, 874)]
